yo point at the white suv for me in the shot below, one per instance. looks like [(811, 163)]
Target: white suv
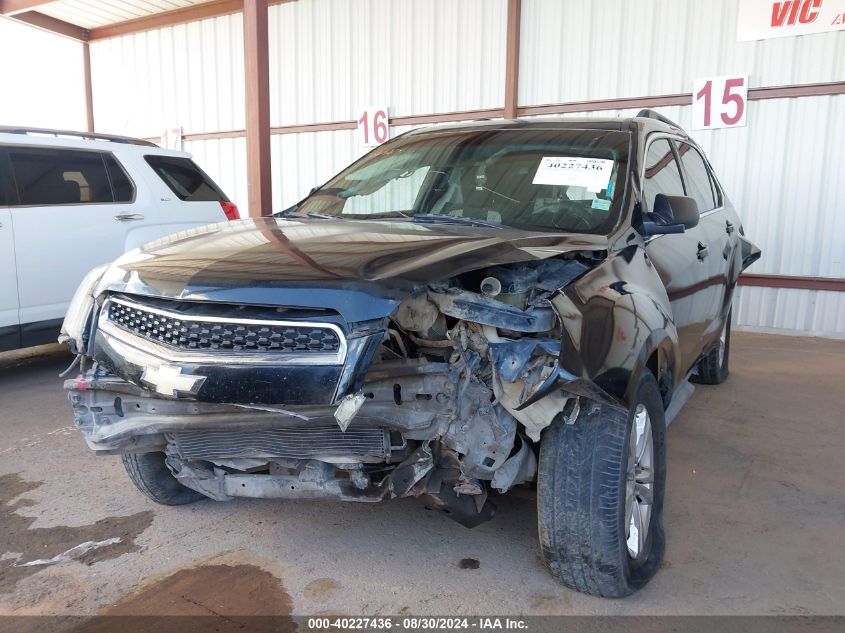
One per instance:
[(70, 201)]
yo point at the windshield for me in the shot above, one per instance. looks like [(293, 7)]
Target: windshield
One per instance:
[(569, 180)]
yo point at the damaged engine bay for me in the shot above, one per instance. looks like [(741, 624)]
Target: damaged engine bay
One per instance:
[(458, 389)]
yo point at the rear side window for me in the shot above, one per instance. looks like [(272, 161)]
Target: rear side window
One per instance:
[(661, 173), (56, 176), (5, 185), (185, 179), (124, 191), (697, 178)]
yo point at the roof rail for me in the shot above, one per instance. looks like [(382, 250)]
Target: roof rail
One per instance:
[(648, 113), (93, 136)]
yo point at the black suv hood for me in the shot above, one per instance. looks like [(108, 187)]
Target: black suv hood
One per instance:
[(362, 269)]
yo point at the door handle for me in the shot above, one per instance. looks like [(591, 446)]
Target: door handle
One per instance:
[(729, 228), (703, 251), (128, 217)]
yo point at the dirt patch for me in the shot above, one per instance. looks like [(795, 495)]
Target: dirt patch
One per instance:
[(321, 589), (209, 590), (220, 598), (469, 563), (22, 543)]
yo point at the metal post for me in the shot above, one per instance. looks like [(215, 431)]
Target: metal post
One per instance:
[(257, 62), (512, 59), (89, 92)]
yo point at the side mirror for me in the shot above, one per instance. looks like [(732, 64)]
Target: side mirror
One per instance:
[(671, 214)]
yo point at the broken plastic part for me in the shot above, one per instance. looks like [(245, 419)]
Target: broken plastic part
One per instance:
[(348, 409)]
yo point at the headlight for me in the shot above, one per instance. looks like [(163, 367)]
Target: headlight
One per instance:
[(79, 311)]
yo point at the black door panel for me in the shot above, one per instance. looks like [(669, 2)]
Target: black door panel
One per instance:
[(683, 261)]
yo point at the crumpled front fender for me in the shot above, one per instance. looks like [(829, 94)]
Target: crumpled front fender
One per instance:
[(613, 319)]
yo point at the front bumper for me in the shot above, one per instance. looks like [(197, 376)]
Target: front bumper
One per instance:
[(401, 443), (116, 416)]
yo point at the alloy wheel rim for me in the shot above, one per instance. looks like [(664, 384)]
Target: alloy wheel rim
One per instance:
[(639, 489)]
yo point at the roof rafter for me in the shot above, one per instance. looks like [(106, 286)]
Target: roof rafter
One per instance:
[(21, 10), (54, 25), (182, 15), (12, 7)]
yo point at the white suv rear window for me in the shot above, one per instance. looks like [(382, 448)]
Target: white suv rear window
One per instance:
[(185, 179)]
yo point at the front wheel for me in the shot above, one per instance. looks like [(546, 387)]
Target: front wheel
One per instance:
[(150, 474), (600, 492)]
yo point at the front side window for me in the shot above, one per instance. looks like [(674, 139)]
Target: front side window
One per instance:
[(57, 176), (661, 173), (717, 191), (697, 178), (185, 179), (544, 179)]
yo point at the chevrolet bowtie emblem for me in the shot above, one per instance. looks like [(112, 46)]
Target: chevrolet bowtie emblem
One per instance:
[(168, 380)]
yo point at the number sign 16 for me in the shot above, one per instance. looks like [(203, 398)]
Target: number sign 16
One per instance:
[(719, 102), (372, 126)]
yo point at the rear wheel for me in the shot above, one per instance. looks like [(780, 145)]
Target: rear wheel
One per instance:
[(713, 366), (600, 494), (151, 476)]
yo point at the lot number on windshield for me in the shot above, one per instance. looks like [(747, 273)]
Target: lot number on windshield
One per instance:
[(372, 126), (719, 102)]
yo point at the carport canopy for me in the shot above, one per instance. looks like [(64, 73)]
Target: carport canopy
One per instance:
[(87, 21)]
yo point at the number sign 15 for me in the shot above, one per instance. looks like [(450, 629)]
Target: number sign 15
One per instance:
[(372, 126), (719, 102)]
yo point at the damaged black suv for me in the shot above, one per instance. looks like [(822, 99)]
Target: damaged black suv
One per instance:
[(463, 310)]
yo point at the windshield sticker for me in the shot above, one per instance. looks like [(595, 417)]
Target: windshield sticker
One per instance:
[(592, 173), (600, 204)]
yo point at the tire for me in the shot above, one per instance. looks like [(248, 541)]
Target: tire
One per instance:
[(151, 476), (713, 366), (581, 497)]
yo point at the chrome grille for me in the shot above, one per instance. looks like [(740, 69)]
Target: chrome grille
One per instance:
[(291, 443), (198, 333)]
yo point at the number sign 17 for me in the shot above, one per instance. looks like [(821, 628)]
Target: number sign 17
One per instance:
[(719, 102), (372, 126)]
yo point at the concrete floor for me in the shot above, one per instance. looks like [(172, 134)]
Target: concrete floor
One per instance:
[(755, 518)]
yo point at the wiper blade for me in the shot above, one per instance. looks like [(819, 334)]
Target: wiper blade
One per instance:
[(295, 214), (434, 218), (287, 212)]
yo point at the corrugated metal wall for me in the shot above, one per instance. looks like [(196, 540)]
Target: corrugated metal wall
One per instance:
[(605, 49), (190, 75), (331, 58)]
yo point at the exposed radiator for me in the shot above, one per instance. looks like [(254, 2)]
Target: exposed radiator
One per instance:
[(291, 443)]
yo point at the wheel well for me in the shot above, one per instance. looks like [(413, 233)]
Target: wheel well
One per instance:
[(658, 366)]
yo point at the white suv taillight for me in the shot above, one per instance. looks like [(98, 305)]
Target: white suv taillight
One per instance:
[(230, 209)]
